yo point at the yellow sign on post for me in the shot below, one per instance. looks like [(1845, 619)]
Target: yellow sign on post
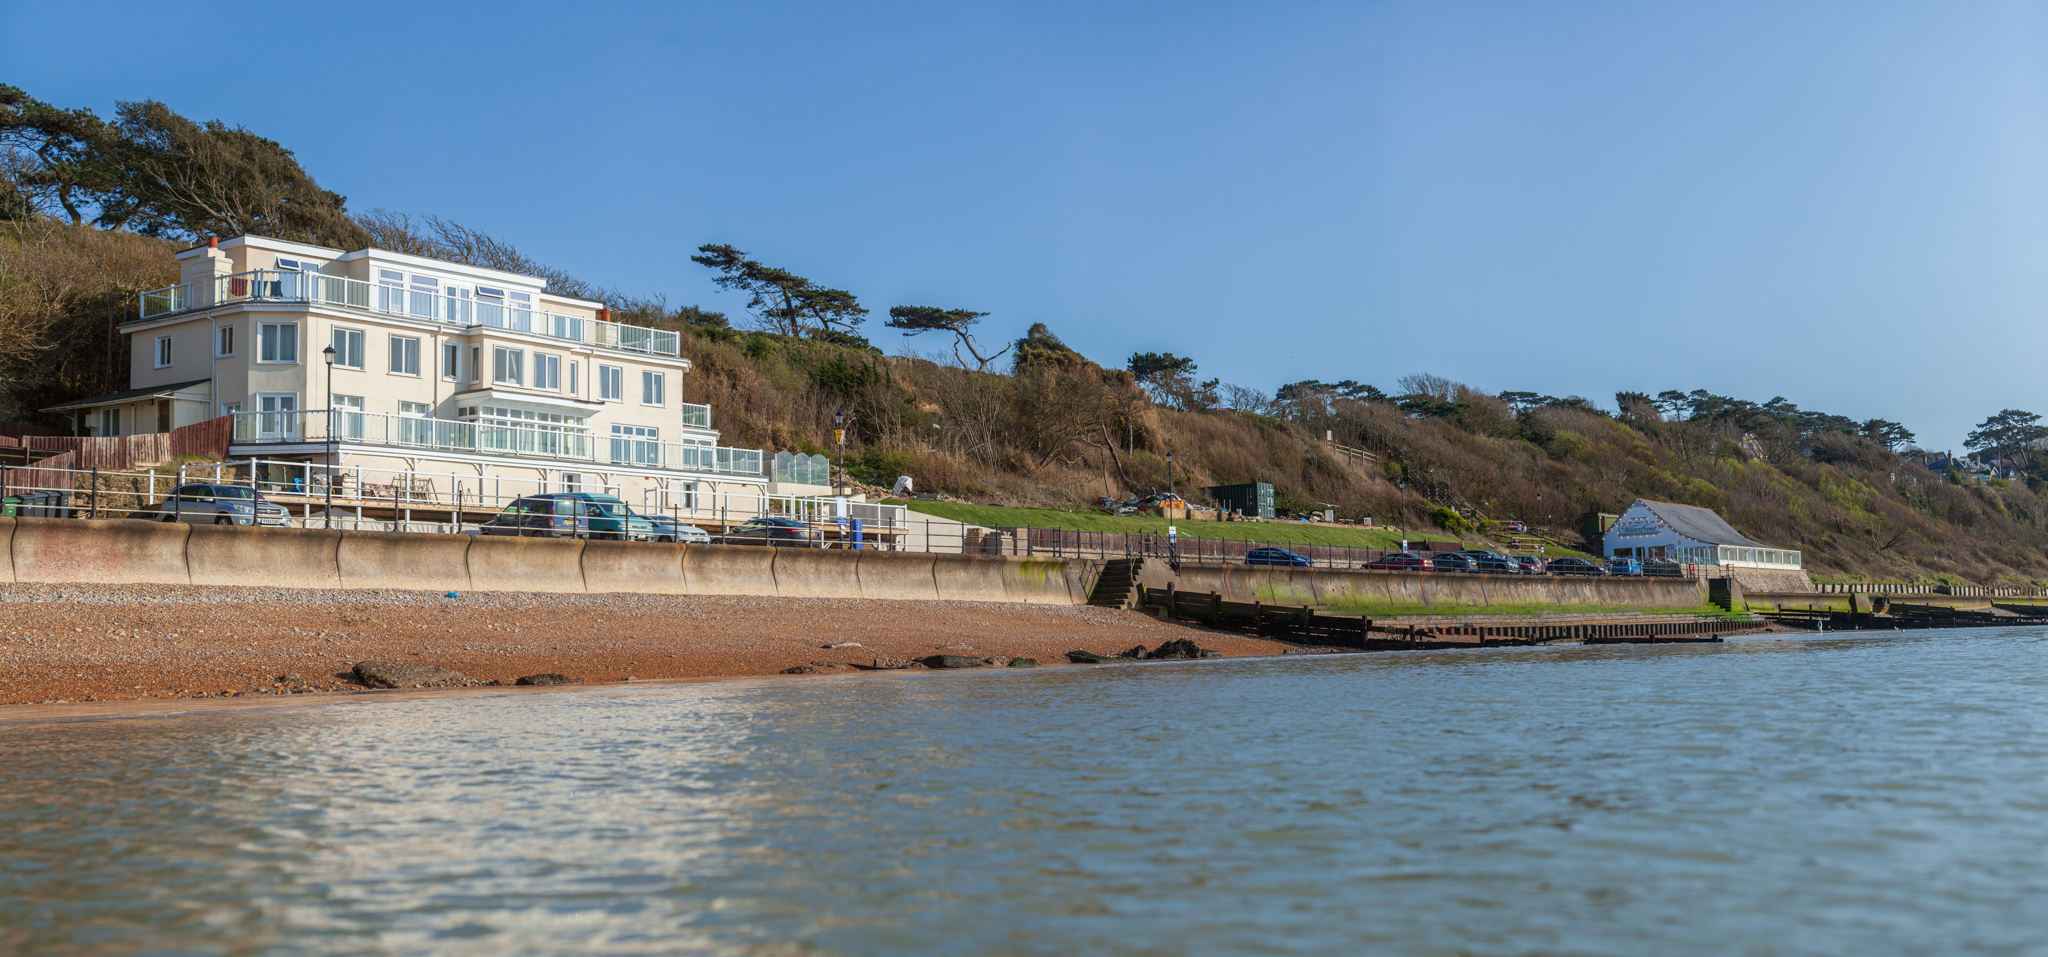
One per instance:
[(839, 436)]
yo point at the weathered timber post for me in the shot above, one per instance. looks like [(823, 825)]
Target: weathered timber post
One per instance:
[(1171, 612)]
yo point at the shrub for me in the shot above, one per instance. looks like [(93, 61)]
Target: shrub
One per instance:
[(1448, 520)]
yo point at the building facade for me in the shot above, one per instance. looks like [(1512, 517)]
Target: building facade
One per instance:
[(1689, 534), (394, 371)]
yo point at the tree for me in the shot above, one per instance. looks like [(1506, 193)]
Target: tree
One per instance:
[(171, 177), (49, 154), (782, 301), (2011, 434), (1891, 435), (1150, 367), (1170, 380), (920, 319)]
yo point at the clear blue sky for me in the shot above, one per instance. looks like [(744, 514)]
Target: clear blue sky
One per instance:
[(1842, 203)]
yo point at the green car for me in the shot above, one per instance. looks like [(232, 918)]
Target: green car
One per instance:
[(570, 515)]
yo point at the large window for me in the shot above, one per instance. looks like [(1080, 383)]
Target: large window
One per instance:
[(390, 290), (547, 372), (405, 355), (163, 351), (653, 387), (508, 366), (110, 422), (611, 383), (505, 429), (277, 342), (638, 444), (348, 416), (451, 361), (348, 348)]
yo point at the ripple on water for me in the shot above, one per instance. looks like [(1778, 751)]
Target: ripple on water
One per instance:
[(1877, 794)]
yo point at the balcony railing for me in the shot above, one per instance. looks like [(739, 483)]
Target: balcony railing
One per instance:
[(375, 428), (277, 285)]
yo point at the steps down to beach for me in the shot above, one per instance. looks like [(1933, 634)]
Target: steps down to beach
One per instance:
[(1119, 580)]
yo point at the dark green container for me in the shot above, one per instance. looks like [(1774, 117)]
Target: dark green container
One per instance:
[(1252, 499)]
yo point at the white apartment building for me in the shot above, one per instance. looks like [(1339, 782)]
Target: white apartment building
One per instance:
[(439, 378)]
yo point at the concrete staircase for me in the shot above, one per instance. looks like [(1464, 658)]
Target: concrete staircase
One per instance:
[(1117, 584)]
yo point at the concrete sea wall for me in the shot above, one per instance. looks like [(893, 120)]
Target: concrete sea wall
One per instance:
[(1339, 589), (121, 551), (56, 550)]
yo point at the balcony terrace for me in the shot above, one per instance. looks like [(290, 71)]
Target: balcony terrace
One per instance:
[(413, 432), (278, 285)]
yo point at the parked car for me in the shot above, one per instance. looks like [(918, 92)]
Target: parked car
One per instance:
[(1529, 564), (780, 532), (1485, 561), (1624, 566), (1572, 566), (569, 515), (1273, 555), (1399, 561), (663, 528), (1663, 569), (211, 503), (1454, 562)]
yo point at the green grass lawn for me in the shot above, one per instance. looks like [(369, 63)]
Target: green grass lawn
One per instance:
[(1264, 533)]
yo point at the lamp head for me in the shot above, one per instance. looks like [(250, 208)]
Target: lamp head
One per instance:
[(839, 418), (329, 354)]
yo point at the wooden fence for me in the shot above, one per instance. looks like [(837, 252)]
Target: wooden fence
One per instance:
[(47, 457)]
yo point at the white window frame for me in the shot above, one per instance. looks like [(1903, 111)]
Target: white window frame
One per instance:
[(611, 383), (451, 371), (504, 359), (350, 344), (110, 422), (653, 384), (267, 337), (224, 343), (572, 377), (476, 363), (405, 356), (547, 372), (163, 352)]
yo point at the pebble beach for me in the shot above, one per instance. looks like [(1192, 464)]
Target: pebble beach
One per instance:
[(62, 644)]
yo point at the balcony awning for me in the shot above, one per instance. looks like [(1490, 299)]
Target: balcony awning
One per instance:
[(556, 403), (116, 398)]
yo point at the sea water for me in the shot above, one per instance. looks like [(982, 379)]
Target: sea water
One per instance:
[(1853, 794)]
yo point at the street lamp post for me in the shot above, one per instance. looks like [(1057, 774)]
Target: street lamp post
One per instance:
[(1401, 506), (332, 449), (839, 435), (1169, 473)]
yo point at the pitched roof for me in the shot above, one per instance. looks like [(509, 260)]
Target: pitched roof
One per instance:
[(154, 391), (1702, 525)]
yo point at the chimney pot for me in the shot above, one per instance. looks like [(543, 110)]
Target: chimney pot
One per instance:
[(213, 242)]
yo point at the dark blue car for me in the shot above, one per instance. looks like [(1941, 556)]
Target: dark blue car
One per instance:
[(1276, 556)]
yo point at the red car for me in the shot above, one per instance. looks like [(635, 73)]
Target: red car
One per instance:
[(1400, 561)]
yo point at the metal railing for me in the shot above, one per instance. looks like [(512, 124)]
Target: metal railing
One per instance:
[(281, 285), (377, 428), (414, 500)]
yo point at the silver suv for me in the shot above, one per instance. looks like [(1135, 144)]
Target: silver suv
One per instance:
[(209, 504)]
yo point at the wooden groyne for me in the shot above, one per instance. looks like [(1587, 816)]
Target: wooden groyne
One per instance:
[(1302, 624)]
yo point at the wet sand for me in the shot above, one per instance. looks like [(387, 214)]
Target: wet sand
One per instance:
[(74, 650)]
